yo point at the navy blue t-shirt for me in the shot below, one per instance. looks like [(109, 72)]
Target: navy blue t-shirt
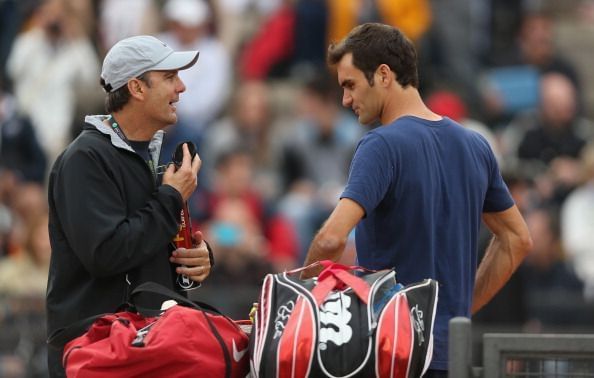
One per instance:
[(423, 185)]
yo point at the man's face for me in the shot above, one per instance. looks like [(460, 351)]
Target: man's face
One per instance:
[(357, 93), (162, 95)]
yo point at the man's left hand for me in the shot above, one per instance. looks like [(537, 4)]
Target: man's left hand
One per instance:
[(194, 262)]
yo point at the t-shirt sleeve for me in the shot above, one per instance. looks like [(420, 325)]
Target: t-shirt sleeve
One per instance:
[(371, 172), (498, 197)]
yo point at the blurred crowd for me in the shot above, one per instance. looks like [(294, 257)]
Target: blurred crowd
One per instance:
[(265, 113)]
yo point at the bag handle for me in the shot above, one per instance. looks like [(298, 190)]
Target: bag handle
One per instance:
[(297, 270), (155, 288), (61, 336), (332, 264), (338, 276), (326, 263)]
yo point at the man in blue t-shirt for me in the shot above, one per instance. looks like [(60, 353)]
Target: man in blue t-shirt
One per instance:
[(418, 187)]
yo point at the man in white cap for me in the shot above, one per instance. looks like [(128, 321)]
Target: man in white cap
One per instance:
[(187, 27), (113, 211)]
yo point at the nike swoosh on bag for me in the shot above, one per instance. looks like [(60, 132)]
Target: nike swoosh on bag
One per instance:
[(238, 355)]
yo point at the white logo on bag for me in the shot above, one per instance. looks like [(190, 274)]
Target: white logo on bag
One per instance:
[(334, 320), (419, 324), (282, 315), (238, 354)]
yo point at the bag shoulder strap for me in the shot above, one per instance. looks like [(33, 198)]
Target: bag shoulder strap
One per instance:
[(61, 336), (155, 288)]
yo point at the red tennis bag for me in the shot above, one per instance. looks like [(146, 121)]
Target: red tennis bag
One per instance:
[(183, 341), (347, 322)]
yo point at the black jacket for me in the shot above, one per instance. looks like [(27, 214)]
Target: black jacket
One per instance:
[(111, 226)]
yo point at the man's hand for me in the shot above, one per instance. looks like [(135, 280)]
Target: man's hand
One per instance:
[(184, 179), (329, 242), (195, 262)]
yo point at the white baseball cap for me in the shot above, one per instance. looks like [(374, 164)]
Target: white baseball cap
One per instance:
[(131, 57)]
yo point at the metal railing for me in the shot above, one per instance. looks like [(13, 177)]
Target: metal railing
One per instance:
[(520, 355)]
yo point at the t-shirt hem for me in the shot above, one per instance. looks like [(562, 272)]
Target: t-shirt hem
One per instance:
[(438, 365)]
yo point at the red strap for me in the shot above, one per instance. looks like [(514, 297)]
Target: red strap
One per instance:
[(322, 288), (332, 264), (359, 286), (329, 264), (336, 276)]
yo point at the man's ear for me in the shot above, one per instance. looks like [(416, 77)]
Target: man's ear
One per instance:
[(136, 88), (385, 74)]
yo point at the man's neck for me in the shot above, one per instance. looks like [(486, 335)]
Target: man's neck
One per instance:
[(406, 101), (133, 127)]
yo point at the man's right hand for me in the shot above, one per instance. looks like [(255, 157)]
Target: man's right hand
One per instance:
[(185, 178)]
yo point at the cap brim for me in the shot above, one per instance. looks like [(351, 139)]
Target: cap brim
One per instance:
[(179, 60)]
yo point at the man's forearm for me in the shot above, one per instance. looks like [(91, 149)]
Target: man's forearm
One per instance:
[(510, 244), (496, 268), (329, 242), (322, 248)]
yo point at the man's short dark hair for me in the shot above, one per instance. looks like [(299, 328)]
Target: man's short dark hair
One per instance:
[(117, 99), (373, 44)]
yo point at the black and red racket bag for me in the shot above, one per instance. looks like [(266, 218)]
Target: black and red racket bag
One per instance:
[(347, 322)]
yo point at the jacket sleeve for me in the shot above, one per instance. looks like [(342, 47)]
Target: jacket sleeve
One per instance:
[(92, 205)]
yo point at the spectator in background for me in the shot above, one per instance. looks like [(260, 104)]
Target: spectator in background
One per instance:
[(316, 155), (451, 48), (553, 131), (23, 281), (119, 19), (577, 224), (48, 64), (25, 273), (318, 23), (12, 16), (411, 16), (293, 39), (248, 230), (208, 85), (268, 52), (512, 84), (251, 126), (311, 24), (552, 290), (319, 147), (238, 19), (549, 138), (240, 243), (22, 204), (29, 202), (536, 47), (20, 150)]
